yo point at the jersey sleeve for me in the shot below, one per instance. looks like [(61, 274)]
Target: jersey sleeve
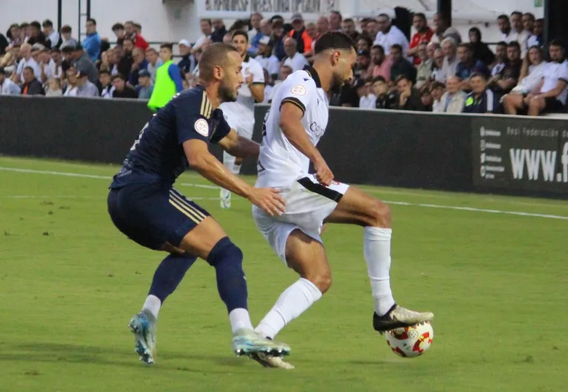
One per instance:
[(190, 122), (257, 73), (222, 128), (298, 90)]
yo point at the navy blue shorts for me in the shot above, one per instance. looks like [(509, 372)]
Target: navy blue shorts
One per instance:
[(153, 214)]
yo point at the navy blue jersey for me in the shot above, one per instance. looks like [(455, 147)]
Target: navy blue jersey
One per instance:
[(157, 155)]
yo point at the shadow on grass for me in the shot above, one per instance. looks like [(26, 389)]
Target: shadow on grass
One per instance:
[(93, 355)]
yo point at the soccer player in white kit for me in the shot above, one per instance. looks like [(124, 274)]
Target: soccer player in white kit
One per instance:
[(295, 123), (240, 114)]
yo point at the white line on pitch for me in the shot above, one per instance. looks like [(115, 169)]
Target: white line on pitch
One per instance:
[(24, 197), (517, 213)]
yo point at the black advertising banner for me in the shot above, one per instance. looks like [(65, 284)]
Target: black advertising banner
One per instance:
[(520, 154)]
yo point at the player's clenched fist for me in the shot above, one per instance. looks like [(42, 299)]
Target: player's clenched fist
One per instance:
[(323, 173), (268, 200)]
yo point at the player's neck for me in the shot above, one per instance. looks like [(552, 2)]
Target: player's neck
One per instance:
[(325, 75), (213, 95)]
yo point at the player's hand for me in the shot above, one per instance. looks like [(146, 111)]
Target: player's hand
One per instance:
[(323, 172), (268, 200)]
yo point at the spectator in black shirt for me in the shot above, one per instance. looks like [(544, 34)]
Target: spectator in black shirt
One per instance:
[(37, 36), (385, 99), (508, 78), (401, 66), (348, 27), (219, 30), (408, 97), (121, 90), (118, 30), (481, 99), (126, 59), (187, 62), (480, 49)]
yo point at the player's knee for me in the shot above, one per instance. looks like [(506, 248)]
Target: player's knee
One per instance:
[(322, 280), (225, 250), (380, 214)]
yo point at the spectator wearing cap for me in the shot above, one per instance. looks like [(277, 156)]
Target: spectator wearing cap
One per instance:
[(409, 98), (118, 30), (335, 20), (31, 85), (121, 90), (105, 82), (145, 86), (92, 42), (187, 62), (481, 99), (168, 80), (7, 87), (66, 37), (348, 27), (37, 36), (266, 59), (205, 25), (380, 62), (390, 35), (300, 35), (443, 31), (84, 87), (219, 30), (139, 64), (423, 34), (52, 36), (27, 61), (137, 38), (401, 66), (84, 62), (154, 62), (363, 62), (294, 59)]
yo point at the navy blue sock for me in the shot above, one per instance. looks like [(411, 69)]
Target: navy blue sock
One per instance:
[(231, 283), (169, 274)]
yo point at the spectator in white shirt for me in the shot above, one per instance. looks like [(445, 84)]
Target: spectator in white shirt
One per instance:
[(449, 47), (206, 29), (528, 24), (295, 59), (71, 89), (507, 33), (106, 84), (519, 29), (267, 60), (255, 20), (367, 100), (453, 100), (51, 36), (26, 61), (7, 87), (48, 67), (154, 62), (390, 35), (285, 71)]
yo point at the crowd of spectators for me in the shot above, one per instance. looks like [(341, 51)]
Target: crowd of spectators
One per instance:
[(434, 70)]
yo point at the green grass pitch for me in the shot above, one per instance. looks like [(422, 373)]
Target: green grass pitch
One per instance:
[(69, 283)]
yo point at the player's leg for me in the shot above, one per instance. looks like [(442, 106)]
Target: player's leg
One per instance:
[(357, 207)]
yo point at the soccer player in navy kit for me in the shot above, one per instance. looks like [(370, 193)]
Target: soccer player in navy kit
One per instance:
[(145, 207)]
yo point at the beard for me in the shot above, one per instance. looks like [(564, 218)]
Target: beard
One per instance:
[(226, 93), (336, 84)]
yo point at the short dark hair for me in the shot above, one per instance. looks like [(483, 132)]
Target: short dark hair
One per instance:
[(150, 49), (336, 12), (503, 16), (379, 79), (128, 39), (384, 16), (205, 20), (214, 55), (501, 43), (517, 13), (129, 22), (36, 24), (466, 46), (66, 29), (117, 26), (24, 25), (104, 72), (540, 20), (530, 15), (396, 46), (378, 47), (478, 75), (47, 23), (55, 50), (168, 45), (334, 40), (420, 15), (240, 32), (138, 26), (436, 85), (30, 69), (558, 43), (93, 21), (403, 77), (514, 44), (117, 76), (67, 49), (349, 20)]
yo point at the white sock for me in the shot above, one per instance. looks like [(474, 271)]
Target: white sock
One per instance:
[(240, 319), (377, 256), (229, 161), (152, 305), (294, 301), (236, 169)]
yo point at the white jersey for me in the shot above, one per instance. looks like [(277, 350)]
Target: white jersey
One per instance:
[(242, 110), (280, 163)]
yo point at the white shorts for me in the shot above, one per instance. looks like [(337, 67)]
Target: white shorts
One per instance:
[(240, 124), (308, 204)]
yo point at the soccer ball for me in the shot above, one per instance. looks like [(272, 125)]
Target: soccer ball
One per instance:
[(411, 341)]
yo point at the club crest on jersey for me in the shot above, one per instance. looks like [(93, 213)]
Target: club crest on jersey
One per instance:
[(298, 90), (202, 127)]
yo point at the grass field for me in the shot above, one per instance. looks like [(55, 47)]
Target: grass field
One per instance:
[(69, 282)]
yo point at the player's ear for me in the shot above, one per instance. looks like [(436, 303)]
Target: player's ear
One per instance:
[(335, 57), (218, 72)]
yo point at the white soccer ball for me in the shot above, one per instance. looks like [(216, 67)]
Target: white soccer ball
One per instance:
[(411, 341)]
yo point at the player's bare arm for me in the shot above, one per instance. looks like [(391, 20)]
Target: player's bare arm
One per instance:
[(291, 124), (201, 160), (239, 146)]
